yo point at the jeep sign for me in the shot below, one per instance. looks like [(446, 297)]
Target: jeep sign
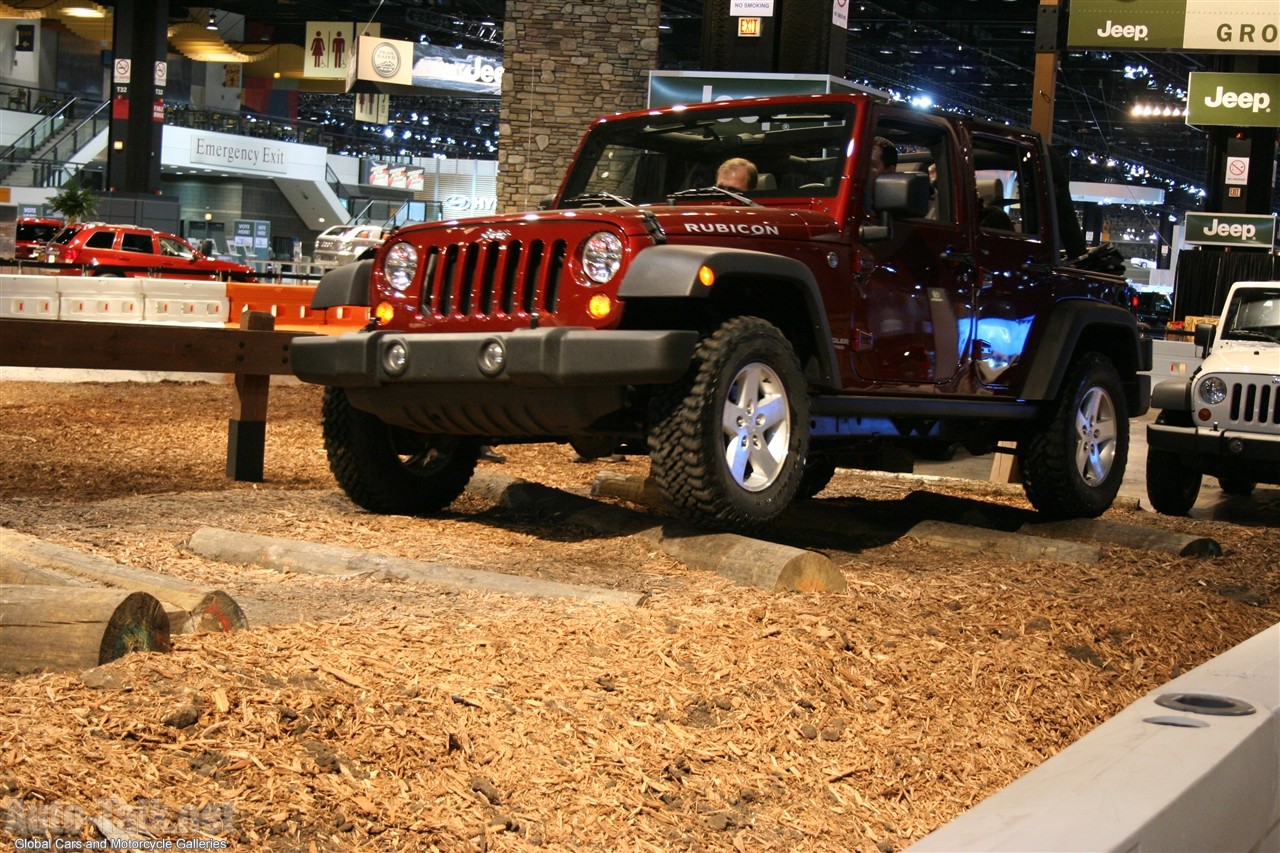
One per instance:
[(1233, 100), (1230, 229), (1251, 26)]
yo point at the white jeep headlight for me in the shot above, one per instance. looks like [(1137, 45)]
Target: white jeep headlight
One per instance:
[(401, 265), (601, 256), (1213, 390)]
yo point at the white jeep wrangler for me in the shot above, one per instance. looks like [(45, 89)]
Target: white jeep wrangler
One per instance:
[(1225, 420)]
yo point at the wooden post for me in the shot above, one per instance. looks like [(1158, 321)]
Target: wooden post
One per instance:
[(247, 430), (62, 628)]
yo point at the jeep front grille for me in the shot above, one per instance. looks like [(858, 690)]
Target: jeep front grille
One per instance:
[(492, 276), (1254, 402)]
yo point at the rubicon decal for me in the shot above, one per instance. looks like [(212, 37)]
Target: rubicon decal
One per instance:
[(732, 228)]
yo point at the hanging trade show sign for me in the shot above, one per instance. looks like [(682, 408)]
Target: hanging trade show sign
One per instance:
[(1251, 26), (1233, 100), (1240, 230), (401, 67)]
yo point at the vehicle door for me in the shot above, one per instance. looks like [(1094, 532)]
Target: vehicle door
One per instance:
[(176, 257), (912, 318), (1014, 253), (138, 252)]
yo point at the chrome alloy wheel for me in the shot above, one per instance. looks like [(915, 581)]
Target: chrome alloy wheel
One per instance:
[(757, 427)]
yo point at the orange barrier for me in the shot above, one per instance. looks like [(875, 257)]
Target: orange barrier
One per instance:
[(345, 318), (290, 304)]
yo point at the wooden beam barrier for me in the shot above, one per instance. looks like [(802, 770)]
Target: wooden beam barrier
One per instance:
[(252, 354)]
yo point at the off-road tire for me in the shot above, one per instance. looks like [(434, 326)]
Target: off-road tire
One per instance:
[(1172, 487), (391, 470), (1073, 466), (818, 471), (1237, 486), (690, 447)]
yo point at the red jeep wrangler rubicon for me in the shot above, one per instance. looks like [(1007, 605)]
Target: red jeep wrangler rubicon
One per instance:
[(747, 341)]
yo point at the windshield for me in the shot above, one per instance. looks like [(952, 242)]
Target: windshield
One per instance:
[(37, 231), (796, 150), (1254, 314)]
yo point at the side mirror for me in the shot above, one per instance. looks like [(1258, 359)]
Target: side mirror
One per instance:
[(896, 194), (1204, 335)]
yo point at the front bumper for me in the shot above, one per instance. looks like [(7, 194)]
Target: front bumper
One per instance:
[(555, 381), (1251, 455)]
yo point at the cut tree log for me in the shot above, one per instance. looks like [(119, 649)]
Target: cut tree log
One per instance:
[(1129, 535), (1016, 545), (58, 628), (742, 559), (207, 610), (15, 571), (288, 555)]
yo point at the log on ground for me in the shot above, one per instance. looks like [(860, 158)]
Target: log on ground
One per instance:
[(742, 559), (65, 629), (207, 610), (1016, 545), (1129, 535), (288, 555)]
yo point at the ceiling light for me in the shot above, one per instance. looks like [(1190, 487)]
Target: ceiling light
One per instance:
[(85, 11), (213, 22)]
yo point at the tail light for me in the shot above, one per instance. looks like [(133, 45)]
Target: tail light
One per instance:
[(70, 254)]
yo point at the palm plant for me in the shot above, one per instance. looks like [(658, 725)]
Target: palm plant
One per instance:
[(74, 201)]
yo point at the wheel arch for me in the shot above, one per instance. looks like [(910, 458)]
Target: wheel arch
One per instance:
[(345, 285), (743, 282), (1079, 326)]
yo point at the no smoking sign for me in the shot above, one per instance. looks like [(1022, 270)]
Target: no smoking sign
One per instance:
[(1237, 170)]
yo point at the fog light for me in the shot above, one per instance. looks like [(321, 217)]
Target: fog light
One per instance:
[(395, 358), (600, 306), (1235, 445), (493, 357)]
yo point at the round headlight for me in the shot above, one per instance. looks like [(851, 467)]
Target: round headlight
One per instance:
[(493, 357), (401, 265), (1213, 390), (601, 256)]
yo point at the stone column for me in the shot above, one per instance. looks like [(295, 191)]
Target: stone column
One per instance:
[(565, 64)]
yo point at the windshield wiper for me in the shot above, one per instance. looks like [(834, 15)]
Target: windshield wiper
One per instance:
[(708, 192), (1250, 335), (597, 199)]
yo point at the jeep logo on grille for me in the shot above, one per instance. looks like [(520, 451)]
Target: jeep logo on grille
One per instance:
[(495, 234)]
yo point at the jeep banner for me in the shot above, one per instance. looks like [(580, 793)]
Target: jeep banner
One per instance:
[(1251, 26), (1233, 100), (1242, 231)]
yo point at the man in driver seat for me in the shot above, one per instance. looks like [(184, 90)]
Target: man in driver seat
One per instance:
[(737, 174)]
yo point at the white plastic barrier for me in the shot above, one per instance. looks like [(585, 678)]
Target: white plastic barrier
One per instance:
[(1174, 360), (1194, 765), (102, 300), (29, 297), (202, 303)]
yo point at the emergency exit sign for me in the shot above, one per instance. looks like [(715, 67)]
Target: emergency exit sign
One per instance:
[(749, 27)]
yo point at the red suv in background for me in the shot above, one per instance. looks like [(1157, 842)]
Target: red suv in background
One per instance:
[(32, 234), (97, 249)]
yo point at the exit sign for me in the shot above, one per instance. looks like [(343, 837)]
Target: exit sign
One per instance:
[(749, 27)]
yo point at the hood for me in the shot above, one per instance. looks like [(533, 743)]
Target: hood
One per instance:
[(1243, 357), (680, 223)]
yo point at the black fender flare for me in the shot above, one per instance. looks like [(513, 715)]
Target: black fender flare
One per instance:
[(1173, 395), (672, 272), (344, 285), (1069, 323)]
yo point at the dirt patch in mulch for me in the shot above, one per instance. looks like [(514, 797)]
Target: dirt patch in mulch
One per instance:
[(363, 714)]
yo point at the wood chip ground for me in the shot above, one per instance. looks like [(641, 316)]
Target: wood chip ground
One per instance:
[(364, 715)]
